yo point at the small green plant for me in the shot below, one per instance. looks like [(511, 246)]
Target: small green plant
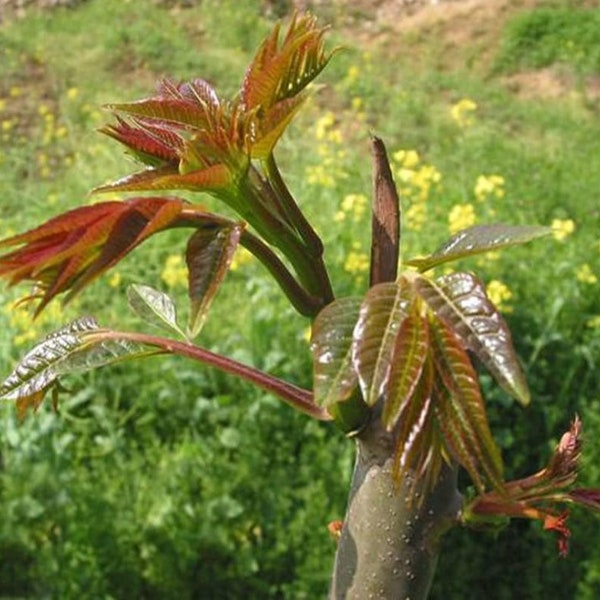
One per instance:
[(391, 369), (546, 36)]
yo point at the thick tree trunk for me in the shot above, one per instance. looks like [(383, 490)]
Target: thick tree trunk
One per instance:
[(388, 549)]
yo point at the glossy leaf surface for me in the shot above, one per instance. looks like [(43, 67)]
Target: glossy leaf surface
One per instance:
[(67, 350), (382, 312), (408, 358), (460, 300), (154, 306), (334, 377), (478, 240), (460, 409), (208, 256)]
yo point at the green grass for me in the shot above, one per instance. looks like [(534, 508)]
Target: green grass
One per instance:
[(543, 37), (159, 479)]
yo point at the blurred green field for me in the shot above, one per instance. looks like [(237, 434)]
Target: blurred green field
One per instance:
[(160, 479)]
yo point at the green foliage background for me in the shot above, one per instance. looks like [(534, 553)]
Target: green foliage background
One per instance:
[(163, 480)]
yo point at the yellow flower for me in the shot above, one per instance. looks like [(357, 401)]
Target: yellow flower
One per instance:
[(72, 93), (408, 159), (357, 104), (2, 104), (584, 274), (562, 228), (20, 320), (499, 294), (115, 280), (415, 216), (356, 261), (461, 216), (462, 112), (15, 91), (594, 322), (356, 204), (489, 185), (323, 125), (240, 258), (320, 175), (352, 74), (174, 272)]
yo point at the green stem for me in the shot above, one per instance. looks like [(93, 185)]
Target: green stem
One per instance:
[(312, 241), (295, 396), (291, 208), (279, 234), (301, 300)]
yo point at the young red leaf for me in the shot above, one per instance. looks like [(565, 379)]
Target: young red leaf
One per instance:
[(180, 112), (70, 250), (281, 71), (460, 409), (334, 377), (210, 179), (478, 240), (460, 300), (408, 358), (418, 449), (208, 256), (382, 312), (151, 144)]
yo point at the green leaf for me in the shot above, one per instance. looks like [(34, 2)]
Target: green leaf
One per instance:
[(333, 372), (478, 240), (154, 306), (67, 350), (382, 312), (460, 409), (408, 358), (460, 300), (208, 256)]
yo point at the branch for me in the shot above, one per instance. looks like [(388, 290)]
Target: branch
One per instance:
[(295, 396)]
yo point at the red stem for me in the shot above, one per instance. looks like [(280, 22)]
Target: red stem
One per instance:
[(293, 395)]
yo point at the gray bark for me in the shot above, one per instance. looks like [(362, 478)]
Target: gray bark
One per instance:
[(388, 549)]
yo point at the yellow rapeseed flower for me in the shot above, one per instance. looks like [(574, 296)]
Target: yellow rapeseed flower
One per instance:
[(499, 294), (408, 159), (461, 216), (174, 272), (357, 262), (584, 274), (562, 228), (72, 93), (489, 185), (462, 112), (115, 280), (415, 216), (323, 125), (354, 205), (240, 258)]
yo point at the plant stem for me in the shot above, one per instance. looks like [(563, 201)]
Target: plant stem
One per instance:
[(302, 301), (388, 548), (308, 265), (293, 395)]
